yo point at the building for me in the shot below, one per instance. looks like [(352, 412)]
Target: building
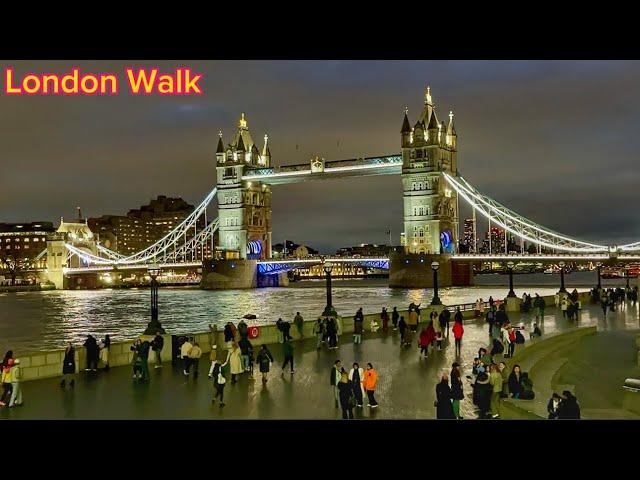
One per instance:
[(142, 227), (293, 250), (22, 247), (365, 250), (429, 149), (469, 235), (244, 208), (497, 244)]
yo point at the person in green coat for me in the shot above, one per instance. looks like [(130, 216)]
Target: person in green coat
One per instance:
[(287, 351), (495, 379)]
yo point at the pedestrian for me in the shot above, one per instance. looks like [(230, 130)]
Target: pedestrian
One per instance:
[(16, 390), (157, 345), (515, 382), (184, 353), (458, 332), (491, 319), (553, 406), (491, 301), (358, 327), (564, 305), (104, 352), (286, 329), (569, 409), (412, 322), (264, 359), (437, 327), (384, 317), (539, 304), (346, 395), (318, 330), (444, 408), (243, 329), (7, 379), (235, 362), (395, 316), (505, 340), (135, 360), (356, 377), (334, 379), (216, 374), (143, 358), (447, 320), (287, 351), (512, 340), (194, 358), (482, 394), (402, 326), (228, 335), (536, 331), (299, 322), (69, 366), (93, 352), (424, 342), (495, 378), (457, 392), (370, 382), (246, 353), (502, 368), (332, 333)]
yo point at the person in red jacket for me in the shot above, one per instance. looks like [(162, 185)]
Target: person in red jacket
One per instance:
[(458, 331)]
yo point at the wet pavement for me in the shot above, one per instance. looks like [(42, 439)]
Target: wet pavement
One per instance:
[(406, 386)]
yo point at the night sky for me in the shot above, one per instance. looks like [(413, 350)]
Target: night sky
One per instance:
[(555, 141)]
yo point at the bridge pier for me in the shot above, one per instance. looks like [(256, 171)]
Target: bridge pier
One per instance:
[(413, 270), (238, 274)]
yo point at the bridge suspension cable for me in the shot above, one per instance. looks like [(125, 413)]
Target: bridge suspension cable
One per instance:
[(158, 249), (517, 224)]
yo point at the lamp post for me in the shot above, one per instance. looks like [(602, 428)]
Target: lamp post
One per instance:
[(436, 300), (626, 274), (598, 267), (511, 293), (154, 326), (329, 311), (562, 289)]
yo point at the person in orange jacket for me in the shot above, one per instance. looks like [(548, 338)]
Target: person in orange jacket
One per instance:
[(370, 381)]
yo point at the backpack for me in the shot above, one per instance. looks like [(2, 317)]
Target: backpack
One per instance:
[(519, 337), (497, 347)]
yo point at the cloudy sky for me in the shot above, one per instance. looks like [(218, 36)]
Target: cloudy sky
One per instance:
[(555, 141)]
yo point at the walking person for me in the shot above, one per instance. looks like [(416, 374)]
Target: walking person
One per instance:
[(395, 316), (356, 377), (495, 379), (384, 317), (235, 362), (16, 390), (437, 326), (539, 304), (229, 337), (332, 333), (457, 392), (184, 353), (458, 332), (424, 341), (346, 395), (286, 329), (93, 351), (246, 353), (358, 327), (402, 327), (135, 360), (157, 345), (287, 351), (564, 305), (299, 323), (243, 329), (104, 352), (264, 359), (69, 366), (194, 358), (370, 382), (444, 408), (143, 358), (7, 379), (318, 330), (336, 374), (216, 374), (412, 323)]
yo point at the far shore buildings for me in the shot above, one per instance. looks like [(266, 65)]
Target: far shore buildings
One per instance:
[(142, 227), (22, 246)]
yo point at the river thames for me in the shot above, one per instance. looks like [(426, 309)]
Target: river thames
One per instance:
[(37, 321)]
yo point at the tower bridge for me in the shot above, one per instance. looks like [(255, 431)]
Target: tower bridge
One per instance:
[(432, 188)]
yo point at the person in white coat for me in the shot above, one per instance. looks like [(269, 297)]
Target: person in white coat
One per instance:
[(234, 359), (564, 304), (356, 377), (504, 332)]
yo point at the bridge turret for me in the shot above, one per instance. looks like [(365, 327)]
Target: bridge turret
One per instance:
[(406, 130), (452, 136), (266, 154), (418, 134), (241, 150), (220, 156), (433, 129)]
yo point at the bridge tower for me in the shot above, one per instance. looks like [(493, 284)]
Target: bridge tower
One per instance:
[(244, 208), (429, 149)]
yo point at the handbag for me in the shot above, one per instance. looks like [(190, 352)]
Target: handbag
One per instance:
[(221, 379)]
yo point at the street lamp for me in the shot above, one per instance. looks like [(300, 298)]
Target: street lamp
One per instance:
[(329, 311), (436, 300), (626, 274), (511, 293), (154, 326), (562, 289), (598, 267)]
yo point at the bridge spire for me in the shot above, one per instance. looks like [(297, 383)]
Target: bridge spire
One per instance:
[(242, 124), (427, 96), (220, 148), (406, 126)]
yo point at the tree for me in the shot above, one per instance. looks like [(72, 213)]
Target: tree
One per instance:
[(12, 265)]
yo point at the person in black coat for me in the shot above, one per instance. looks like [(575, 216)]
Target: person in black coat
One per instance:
[(68, 366), (482, 390), (286, 327), (553, 405), (444, 408), (515, 378), (568, 408), (93, 352), (402, 327), (345, 393), (457, 393), (228, 333)]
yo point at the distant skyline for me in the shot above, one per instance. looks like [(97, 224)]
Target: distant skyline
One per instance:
[(555, 141)]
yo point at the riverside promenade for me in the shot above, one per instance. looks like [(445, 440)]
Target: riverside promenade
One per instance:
[(406, 387)]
